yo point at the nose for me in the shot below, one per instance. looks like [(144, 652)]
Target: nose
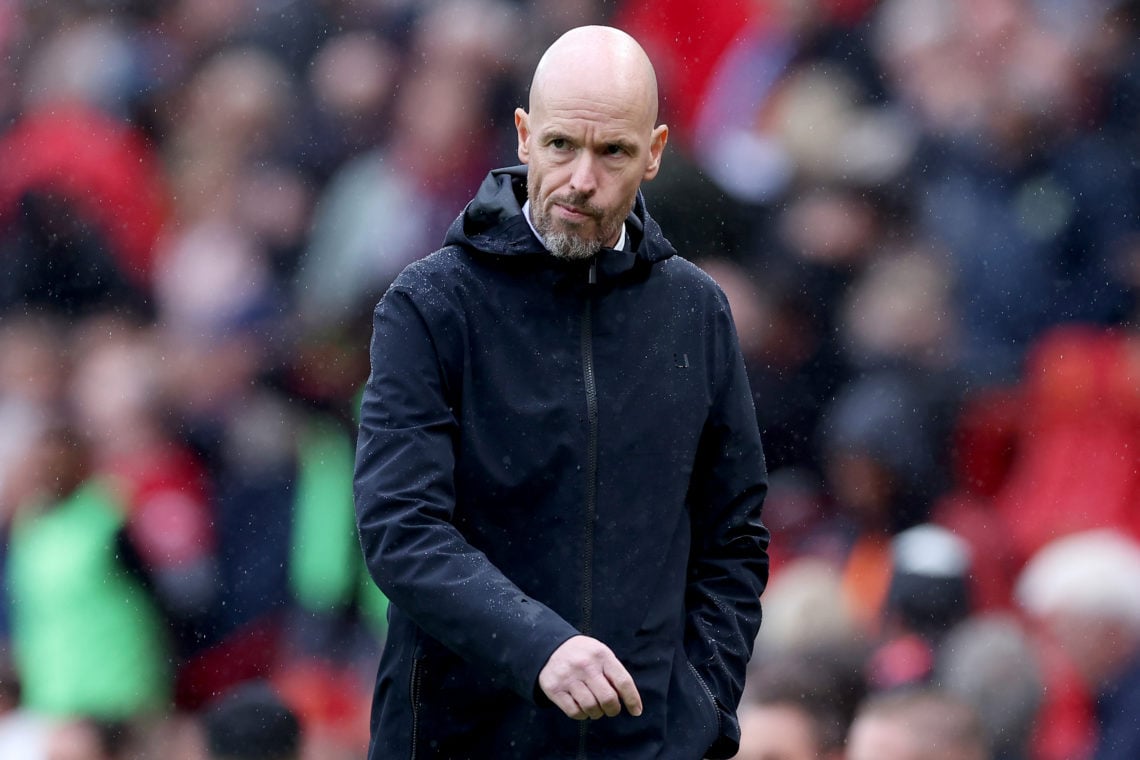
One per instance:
[(583, 178)]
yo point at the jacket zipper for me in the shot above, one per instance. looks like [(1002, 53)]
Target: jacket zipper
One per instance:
[(417, 678), (708, 693), (589, 382)]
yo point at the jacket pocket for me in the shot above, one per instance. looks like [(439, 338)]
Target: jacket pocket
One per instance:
[(455, 710)]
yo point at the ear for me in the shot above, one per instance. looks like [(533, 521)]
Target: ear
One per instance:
[(657, 141), (522, 126)]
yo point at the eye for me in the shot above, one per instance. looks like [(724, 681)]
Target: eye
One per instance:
[(615, 150), (560, 143)]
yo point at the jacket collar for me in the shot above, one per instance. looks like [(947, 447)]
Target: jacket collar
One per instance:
[(493, 223)]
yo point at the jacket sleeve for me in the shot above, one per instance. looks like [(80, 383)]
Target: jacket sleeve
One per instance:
[(728, 564), (405, 497)]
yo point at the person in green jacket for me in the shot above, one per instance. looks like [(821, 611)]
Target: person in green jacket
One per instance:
[(87, 638)]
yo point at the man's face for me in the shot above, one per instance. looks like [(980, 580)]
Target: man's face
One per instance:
[(880, 738), (777, 732), (586, 160)]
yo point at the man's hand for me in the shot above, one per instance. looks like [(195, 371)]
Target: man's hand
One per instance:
[(586, 680)]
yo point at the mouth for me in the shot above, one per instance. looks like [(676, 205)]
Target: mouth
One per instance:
[(573, 213)]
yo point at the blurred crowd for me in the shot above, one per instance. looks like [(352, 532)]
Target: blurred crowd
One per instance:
[(925, 214)]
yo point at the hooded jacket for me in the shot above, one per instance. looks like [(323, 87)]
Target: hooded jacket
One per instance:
[(549, 448)]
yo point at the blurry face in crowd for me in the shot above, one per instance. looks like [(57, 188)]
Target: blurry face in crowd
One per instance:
[(917, 726), (588, 139), (76, 740), (878, 738), (777, 732)]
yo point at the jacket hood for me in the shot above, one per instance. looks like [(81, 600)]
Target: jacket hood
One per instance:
[(493, 223)]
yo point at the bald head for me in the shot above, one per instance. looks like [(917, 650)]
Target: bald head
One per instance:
[(597, 62)]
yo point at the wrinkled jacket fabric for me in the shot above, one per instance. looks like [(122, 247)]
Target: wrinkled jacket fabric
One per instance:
[(550, 448)]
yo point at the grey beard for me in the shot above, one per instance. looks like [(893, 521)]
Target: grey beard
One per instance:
[(566, 246)]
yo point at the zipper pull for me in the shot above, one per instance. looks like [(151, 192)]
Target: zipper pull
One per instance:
[(593, 278)]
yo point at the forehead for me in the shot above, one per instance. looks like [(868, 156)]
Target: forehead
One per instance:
[(602, 115), (598, 91)]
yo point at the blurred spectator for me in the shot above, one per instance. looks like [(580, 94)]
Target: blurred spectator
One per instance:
[(241, 209), (899, 312), (916, 724), (981, 448), (89, 58), (928, 594), (1082, 590), (243, 429), (392, 205), (989, 662), (84, 195), (806, 610), (86, 636), (250, 722), (81, 205), (33, 377), (117, 395), (220, 322), (352, 79), (786, 356), (881, 460), (88, 739), (799, 707), (1079, 402), (1010, 176)]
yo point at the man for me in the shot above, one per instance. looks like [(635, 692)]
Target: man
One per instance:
[(784, 731), (1081, 590), (797, 707), (559, 474), (251, 722), (917, 723)]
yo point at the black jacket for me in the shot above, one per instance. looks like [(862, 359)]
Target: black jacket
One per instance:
[(548, 448)]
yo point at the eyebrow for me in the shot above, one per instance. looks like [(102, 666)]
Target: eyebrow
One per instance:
[(628, 146), (555, 133), (551, 133)]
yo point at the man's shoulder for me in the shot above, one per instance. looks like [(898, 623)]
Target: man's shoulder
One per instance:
[(435, 268), (685, 273), (438, 284)]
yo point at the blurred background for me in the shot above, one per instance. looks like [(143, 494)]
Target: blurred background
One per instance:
[(925, 214)]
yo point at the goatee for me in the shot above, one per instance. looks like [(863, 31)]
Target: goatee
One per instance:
[(565, 245)]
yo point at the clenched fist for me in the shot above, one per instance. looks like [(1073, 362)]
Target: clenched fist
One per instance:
[(585, 679)]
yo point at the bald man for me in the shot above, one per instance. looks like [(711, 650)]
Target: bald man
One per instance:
[(559, 475)]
